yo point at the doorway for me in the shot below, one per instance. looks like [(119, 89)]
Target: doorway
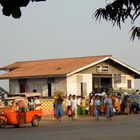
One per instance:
[(101, 84), (106, 84), (49, 89), (22, 85), (22, 88)]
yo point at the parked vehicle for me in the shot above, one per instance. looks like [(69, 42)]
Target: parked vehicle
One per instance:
[(14, 111), (135, 103)]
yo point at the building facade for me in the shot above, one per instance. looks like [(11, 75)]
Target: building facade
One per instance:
[(78, 76)]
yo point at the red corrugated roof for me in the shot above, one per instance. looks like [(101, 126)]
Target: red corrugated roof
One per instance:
[(48, 67)]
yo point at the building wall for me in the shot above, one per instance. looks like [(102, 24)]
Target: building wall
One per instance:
[(13, 86), (71, 85), (86, 81), (40, 84), (123, 83), (74, 84), (112, 70), (60, 85)]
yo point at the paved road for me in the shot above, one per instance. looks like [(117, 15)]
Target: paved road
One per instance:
[(125, 127)]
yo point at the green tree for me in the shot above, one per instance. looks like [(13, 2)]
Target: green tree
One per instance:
[(12, 7), (119, 11)]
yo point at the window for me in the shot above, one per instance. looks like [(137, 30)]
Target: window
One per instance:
[(102, 68), (117, 78), (129, 84)]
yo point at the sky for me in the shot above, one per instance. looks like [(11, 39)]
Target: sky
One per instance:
[(64, 28)]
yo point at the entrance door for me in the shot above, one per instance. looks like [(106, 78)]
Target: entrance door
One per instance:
[(22, 85), (49, 89), (106, 84), (22, 88), (101, 83)]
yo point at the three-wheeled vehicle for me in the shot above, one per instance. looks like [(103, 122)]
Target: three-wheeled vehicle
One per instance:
[(14, 111)]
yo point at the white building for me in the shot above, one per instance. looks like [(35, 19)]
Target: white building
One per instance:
[(79, 75)]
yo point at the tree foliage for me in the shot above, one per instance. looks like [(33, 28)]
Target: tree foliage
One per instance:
[(119, 11), (12, 7)]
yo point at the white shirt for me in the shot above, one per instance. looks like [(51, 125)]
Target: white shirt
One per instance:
[(68, 102), (38, 103), (74, 104), (79, 102)]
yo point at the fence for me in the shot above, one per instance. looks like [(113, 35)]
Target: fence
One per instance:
[(47, 106)]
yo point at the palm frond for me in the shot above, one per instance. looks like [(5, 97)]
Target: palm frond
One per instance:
[(135, 33)]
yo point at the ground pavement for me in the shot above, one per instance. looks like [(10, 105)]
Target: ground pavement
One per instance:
[(121, 127)]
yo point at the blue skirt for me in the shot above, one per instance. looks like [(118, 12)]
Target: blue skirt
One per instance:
[(58, 110)]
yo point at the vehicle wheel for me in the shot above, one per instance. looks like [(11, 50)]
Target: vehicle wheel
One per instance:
[(35, 121), (2, 123)]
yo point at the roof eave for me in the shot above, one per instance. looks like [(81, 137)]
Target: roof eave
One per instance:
[(127, 66), (37, 76)]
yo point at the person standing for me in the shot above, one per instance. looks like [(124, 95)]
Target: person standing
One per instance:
[(68, 106), (108, 106), (37, 104), (30, 104), (78, 106), (97, 104), (58, 108), (128, 105), (123, 105), (83, 106), (74, 107), (91, 105), (118, 104)]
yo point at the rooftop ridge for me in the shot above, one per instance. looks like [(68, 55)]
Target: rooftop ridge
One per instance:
[(63, 58)]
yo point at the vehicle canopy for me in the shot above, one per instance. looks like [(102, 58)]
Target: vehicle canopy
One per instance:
[(9, 102)]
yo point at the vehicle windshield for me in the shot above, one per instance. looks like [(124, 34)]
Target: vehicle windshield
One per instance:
[(6, 103)]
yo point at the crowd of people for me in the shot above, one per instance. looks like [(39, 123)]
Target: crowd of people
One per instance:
[(96, 105), (120, 103), (79, 106)]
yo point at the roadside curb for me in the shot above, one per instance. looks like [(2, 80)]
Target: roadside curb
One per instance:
[(86, 118)]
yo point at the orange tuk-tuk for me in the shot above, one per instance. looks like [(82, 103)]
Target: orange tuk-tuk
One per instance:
[(14, 111)]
